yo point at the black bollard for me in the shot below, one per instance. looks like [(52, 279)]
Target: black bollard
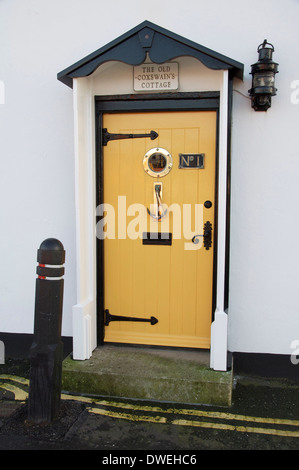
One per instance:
[(47, 349)]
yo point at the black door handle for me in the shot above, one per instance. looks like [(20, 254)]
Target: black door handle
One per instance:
[(207, 236)]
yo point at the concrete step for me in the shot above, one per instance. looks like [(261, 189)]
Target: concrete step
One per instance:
[(177, 376)]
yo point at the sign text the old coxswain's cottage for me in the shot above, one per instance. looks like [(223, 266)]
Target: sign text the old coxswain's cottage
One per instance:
[(156, 77)]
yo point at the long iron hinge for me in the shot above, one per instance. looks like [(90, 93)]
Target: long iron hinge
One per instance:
[(109, 318), (106, 136)]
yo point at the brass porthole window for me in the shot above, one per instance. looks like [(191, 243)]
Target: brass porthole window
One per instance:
[(157, 162)]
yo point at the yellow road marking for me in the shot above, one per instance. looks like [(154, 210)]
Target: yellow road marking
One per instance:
[(210, 414), (19, 394), (14, 378), (228, 427), (114, 414), (22, 395), (66, 396), (202, 424)]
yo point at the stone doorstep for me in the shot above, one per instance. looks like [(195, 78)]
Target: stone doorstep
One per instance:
[(176, 376)]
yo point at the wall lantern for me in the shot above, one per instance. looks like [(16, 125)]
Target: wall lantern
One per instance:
[(263, 78)]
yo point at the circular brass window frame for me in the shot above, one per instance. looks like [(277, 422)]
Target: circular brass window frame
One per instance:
[(165, 154)]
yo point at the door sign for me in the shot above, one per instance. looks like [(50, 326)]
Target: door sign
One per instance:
[(156, 77), (191, 160)]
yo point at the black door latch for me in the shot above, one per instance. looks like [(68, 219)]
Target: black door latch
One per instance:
[(207, 236)]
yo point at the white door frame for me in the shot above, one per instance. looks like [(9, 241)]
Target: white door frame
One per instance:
[(85, 310)]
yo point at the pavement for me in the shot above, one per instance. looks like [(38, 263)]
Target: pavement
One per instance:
[(263, 415)]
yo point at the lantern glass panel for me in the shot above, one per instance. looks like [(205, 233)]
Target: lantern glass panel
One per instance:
[(264, 79)]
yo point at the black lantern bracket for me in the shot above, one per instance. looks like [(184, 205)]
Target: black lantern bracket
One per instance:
[(263, 78)]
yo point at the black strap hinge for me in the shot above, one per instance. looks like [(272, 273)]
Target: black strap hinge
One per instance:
[(106, 136), (109, 318)]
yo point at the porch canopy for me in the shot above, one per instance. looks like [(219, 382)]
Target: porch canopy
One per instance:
[(145, 42), (161, 45)]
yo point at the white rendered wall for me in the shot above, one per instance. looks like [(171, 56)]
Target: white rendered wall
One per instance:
[(37, 190), (37, 160), (263, 313)]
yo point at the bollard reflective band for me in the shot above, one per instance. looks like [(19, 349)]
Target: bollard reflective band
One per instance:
[(40, 266), (45, 272)]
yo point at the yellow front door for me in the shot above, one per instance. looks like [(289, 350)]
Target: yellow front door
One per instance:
[(164, 186)]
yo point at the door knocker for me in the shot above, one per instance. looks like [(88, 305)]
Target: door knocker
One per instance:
[(159, 212)]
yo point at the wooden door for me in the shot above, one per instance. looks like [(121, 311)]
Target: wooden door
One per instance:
[(170, 280)]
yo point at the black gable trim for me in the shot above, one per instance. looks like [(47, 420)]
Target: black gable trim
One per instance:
[(161, 45)]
